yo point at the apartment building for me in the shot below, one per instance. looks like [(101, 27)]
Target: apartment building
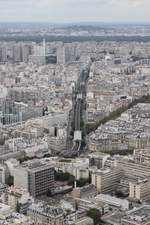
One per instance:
[(17, 199), (142, 156), (106, 180), (139, 189), (138, 169), (43, 214)]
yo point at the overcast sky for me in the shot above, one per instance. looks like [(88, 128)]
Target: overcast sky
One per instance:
[(75, 10)]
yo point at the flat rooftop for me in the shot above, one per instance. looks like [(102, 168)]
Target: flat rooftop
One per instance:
[(140, 214), (35, 165)]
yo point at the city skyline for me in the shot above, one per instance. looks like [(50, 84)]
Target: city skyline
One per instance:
[(68, 11), (74, 112)]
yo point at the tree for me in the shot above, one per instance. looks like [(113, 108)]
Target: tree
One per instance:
[(46, 130), (2, 141), (10, 181), (119, 193), (95, 215), (61, 176), (117, 113), (71, 180), (49, 193), (82, 182), (18, 207)]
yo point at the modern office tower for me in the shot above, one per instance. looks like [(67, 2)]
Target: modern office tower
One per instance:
[(106, 180), (8, 107), (39, 54), (26, 51), (43, 214), (9, 47), (44, 47), (51, 55), (70, 53), (61, 55), (42, 54), (66, 53), (9, 114), (3, 53), (35, 177), (17, 53), (14, 112), (39, 50)]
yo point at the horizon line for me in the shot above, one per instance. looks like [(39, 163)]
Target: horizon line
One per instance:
[(80, 22)]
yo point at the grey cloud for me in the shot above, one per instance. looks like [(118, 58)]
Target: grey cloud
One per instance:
[(74, 10)]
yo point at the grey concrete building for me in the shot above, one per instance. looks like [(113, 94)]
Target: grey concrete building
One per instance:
[(34, 176)]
